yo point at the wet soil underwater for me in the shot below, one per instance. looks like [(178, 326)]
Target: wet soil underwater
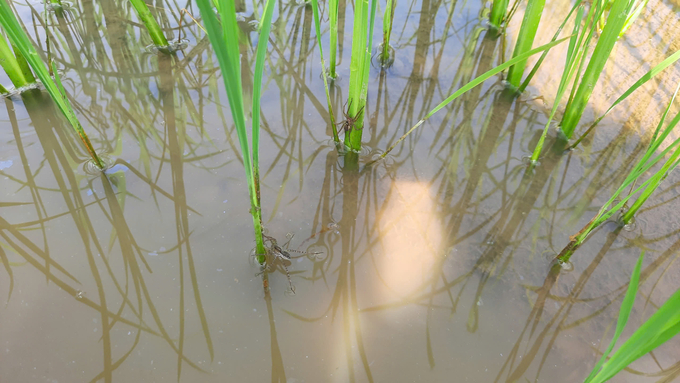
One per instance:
[(433, 265)]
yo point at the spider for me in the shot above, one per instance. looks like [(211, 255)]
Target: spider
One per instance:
[(279, 256), (348, 124)]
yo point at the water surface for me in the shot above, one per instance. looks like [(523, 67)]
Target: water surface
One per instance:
[(433, 265)]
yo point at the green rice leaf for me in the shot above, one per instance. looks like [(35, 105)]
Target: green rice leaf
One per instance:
[(525, 39), (265, 27), (659, 328), (315, 9), (600, 56), (225, 41), (670, 60), (624, 313), (150, 23)]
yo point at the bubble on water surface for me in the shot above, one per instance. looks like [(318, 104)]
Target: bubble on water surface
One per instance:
[(173, 46), (566, 266), (377, 60), (334, 227), (630, 226), (315, 252)]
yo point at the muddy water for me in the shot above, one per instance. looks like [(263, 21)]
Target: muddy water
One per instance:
[(433, 265)]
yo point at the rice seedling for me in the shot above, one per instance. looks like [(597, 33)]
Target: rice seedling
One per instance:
[(360, 65), (671, 155), (605, 43), (576, 58), (630, 18), (22, 43), (569, 65), (525, 39), (533, 71), (223, 39), (643, 80), (388, 19), (151, 25), (663, 325)]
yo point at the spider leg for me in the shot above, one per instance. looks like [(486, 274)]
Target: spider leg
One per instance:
[(288, 242), (305, 252), (359, 112), (290, 282)]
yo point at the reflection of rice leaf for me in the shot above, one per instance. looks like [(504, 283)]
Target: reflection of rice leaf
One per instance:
[(125, 242), (5, 226), (476, 81), (5, 262), (8, 204)]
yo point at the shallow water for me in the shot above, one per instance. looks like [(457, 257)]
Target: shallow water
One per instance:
[(434, 264)]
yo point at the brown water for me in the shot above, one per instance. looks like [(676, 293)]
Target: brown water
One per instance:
[(433, 265)]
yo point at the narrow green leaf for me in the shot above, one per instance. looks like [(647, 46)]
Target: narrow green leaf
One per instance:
[(600, 56), (640, 82), (624, 313), (525, 39), (659, 328), (225, 40), (150, 23), (315, 9), (265, 27)]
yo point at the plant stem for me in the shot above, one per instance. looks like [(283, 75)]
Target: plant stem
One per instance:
[(615, 22), (498, 10), (525, 39), (657, 178), (15, 66), (333, 4), (359, 67), (228, 56), (257, 91), (315, 10), (387, 29), (151, 25)]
